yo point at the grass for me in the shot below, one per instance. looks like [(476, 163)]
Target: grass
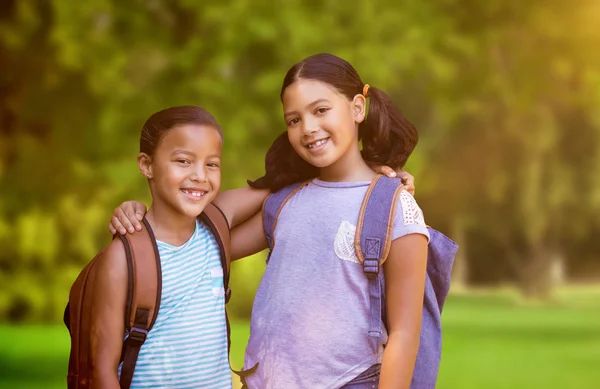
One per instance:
[(491, 341)]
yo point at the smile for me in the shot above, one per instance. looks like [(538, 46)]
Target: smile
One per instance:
[(193, 193), (317, 144)]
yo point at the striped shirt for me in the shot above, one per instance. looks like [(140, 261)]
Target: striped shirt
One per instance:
[(187, 347)]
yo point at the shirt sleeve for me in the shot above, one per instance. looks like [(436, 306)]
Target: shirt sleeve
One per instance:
[(409, 217)]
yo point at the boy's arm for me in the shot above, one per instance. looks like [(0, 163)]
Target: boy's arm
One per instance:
[(241, 204), (248, 238), (405, 271), (107, 317)]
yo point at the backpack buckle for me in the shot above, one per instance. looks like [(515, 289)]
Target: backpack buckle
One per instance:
[(371, 266), (137, 336)]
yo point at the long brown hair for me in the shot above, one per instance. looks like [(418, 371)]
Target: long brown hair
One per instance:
[(388, 138)]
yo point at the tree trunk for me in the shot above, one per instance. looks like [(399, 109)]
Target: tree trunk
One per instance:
[(542, 273)]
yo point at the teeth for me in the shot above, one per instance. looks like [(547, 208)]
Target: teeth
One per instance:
[(317, 143), (194, 193)]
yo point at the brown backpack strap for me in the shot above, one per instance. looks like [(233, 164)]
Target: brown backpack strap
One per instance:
[(143, 295), (215, 220), (218, 224)]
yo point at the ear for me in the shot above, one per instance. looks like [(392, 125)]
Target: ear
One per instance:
[(359, 108), (145, 164)]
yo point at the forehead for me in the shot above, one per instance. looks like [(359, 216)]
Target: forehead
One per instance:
[(201, 139), (304, 92)]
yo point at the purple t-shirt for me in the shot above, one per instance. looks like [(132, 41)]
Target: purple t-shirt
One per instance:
[(310, 317)]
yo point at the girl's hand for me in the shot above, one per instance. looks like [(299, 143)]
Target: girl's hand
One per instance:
[(126, 217), (406, 177)]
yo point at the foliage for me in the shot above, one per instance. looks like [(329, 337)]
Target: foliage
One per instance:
[(505, 94)]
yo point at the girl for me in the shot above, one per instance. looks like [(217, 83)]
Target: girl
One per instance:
[(310, 316), (309, 326), (180, 155)]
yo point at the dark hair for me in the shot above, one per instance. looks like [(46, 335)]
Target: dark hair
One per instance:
[(161, 122), (388, 138)]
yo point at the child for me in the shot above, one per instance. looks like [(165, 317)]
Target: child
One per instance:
[(310, 319), (310, 316), (180, 155)]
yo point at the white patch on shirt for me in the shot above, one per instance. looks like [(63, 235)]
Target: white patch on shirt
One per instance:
[(216, 275), (411, 213), (343, 245)]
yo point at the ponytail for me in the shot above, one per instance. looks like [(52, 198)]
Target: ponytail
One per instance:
[(388, 138)]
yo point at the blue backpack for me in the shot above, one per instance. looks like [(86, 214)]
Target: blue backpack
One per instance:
[(372, 244)]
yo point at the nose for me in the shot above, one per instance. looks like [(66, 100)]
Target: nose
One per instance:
[(310, 126), (199, 174)]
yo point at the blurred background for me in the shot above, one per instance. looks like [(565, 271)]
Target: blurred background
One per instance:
[(505, 94)]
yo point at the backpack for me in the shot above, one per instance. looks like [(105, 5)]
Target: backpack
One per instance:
[(143, 299), (372, 244)]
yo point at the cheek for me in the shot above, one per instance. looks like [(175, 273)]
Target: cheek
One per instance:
[(294, 137), (214, 177)]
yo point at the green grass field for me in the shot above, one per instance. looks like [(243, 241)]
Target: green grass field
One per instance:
[(491, 341)]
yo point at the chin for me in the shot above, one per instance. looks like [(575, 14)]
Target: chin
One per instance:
[(192, 210), (321, 162)]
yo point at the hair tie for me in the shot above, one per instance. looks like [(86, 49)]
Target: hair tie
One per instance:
[(366, 90)]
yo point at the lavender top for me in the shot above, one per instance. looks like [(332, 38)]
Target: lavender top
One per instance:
[(310, 316)]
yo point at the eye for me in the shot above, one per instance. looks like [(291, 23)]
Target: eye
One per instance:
[(214, 165), (183, 161), (320, 111), (293, 121)]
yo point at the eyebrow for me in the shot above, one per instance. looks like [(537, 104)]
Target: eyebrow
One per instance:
[(319, 101), (180, 151)]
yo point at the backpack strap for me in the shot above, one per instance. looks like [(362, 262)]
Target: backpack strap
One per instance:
[(143, 295), (217, 223), (372, 243), (272, 207)]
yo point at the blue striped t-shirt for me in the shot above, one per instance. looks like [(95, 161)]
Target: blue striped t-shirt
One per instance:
[(187, 347)]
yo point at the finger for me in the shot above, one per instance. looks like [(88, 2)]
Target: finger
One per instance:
[(140, 211), (116, 224), (112, 230), (388, 171), (124, 219), (134, 220), (406, 177), (132, 215), (410, 188)]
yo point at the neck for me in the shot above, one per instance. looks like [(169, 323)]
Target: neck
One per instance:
[(350, 168), (169, 227)]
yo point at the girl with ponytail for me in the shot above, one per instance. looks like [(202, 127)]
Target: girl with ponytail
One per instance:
[(310, 319)]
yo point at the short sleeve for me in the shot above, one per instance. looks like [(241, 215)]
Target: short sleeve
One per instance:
[(409, 217)]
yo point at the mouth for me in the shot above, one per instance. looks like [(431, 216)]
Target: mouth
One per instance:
[(194, 194), (317, 145)]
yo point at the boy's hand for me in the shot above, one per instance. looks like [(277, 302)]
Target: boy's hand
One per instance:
[(406, 177), (126, 217)]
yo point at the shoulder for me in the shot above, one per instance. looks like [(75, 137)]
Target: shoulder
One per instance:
[(112, 262), (409, 218)]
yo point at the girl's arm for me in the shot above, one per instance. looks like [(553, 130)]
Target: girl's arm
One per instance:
[(405, 271), (248, 238), (238, 205), (107, 323)]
